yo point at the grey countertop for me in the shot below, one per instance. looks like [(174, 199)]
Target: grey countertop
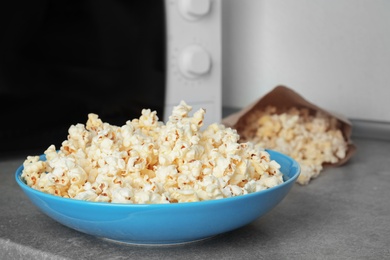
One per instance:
[(343, 214)]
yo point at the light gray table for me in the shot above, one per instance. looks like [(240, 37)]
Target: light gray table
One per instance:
[(343, 214)]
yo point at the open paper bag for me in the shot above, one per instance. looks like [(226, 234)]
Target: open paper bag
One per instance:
[(283, 98)]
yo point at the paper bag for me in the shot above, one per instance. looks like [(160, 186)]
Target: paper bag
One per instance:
[(284, 98)]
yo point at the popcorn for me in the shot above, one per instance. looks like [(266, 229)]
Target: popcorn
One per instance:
[(312, 140), (147, 162)]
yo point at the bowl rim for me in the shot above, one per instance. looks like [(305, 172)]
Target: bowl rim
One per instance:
[(293, 178)]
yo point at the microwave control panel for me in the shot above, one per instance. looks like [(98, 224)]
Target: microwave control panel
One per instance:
[(194, 57)]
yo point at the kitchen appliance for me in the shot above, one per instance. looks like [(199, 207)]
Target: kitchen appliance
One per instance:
[(63, 60), (194, 56)]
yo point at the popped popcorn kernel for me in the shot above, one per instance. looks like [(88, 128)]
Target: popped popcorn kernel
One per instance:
[(147, 162), (311, 139)]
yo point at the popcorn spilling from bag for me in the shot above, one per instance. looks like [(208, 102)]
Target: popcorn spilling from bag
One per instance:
[(312, 140), (147, 161)]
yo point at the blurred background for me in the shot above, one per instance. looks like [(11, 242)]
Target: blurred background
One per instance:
[(60, 60), (335, 53)]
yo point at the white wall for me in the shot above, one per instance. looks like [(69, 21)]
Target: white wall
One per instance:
[(335, 53)]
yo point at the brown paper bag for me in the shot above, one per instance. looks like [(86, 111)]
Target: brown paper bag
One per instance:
[(284, 98)]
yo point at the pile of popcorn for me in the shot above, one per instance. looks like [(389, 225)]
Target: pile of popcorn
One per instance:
[(146, 161), (312, 140)]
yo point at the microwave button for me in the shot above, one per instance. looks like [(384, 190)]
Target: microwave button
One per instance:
[(194, 9), (194, 62)]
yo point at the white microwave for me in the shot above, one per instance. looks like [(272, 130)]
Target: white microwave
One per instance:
[(63, 60), (194, 56)]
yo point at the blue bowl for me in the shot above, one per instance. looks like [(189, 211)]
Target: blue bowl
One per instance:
[(163, 223)]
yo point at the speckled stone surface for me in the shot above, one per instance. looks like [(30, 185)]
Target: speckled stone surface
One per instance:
[(343, 214)]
